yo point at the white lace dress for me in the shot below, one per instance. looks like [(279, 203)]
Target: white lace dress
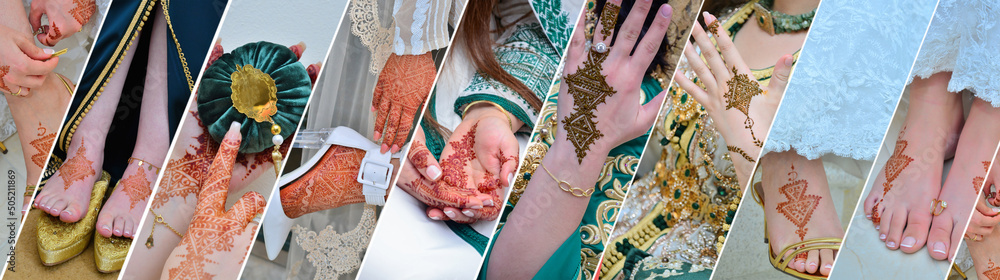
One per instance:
[(848, 80), (964, 38)]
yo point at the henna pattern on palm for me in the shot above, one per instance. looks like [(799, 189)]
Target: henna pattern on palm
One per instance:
[(800, 206), (83, 10), (893, 167), (136, 187), (76, 168), (213, 229), (334, 182), (42, 145), (588, 88)]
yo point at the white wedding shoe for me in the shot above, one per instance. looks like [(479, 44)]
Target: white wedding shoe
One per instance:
[(375, 175)]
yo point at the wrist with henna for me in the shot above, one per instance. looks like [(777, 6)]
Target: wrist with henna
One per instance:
[(331, 184)]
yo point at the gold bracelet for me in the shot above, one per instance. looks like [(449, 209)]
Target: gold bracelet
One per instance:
[(505, 113), (154, 168), (159, 220), (566, 187)]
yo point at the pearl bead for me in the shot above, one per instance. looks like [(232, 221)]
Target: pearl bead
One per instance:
[(277, 139)]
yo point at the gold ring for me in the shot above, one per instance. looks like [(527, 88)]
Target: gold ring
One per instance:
[(18, 93), (935, 209)]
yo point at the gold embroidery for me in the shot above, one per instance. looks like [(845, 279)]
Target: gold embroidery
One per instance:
[(609, 16), (588, 88)]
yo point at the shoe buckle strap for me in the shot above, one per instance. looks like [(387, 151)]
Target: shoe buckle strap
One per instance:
[(375, 175)]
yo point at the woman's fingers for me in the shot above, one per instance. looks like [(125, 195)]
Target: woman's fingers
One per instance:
[(313, 71), (422, 160), (298, 49), (403, 130), (390, 130), (782, 70), (648, 112), (730, 55), (605, 29), (577, 44), (699, 67), (381, 116), (213, 192), (711, 55), (249, 206), (650, 43), (631, 29), (436, 214)]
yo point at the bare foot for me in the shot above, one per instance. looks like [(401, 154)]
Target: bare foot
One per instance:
[(798, 207), (899, 202), (972, 158), (67, 193), (37, 117)]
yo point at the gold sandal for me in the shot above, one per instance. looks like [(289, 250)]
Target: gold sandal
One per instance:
[(778, 261), (110, 253), (59, 241)]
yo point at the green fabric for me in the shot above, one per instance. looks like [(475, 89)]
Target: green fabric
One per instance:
[(215, 106), (470, 235)]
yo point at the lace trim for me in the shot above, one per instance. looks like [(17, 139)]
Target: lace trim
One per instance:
[(334, 254), (365, 24)]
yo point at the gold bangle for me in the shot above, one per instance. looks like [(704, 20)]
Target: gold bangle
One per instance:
[(566, 187), (505, 113)]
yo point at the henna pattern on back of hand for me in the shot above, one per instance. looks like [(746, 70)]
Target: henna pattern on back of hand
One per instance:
[(800, 206), (589, 89), (42, 145), (83, 10), (742, 90), (76, 168), (55, 29), (183, 177), (992, 271)]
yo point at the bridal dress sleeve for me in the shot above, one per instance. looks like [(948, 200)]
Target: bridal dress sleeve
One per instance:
[(963, 39), (845, 86)]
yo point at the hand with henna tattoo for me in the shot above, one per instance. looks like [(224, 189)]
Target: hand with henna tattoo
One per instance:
[(729, 84), (66, 17), (402, 88), (23, 65), (216, 241)]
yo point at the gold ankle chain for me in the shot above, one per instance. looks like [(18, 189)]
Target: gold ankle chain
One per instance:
[(159, 220)]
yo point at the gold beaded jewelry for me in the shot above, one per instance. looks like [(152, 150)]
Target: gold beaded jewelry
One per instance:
[(477, 102), (566, 187), (150, 167), (159, 220)]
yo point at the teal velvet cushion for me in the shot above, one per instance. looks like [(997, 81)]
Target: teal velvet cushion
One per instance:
[(215, 105)]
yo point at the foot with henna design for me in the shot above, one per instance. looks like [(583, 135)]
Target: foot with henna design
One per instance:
[(899, 203), (986, 256), (124, 209), (38, 116), (978, 140), (67, 193), (798, 207)]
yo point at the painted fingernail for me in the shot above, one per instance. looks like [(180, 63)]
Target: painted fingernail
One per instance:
[(877, 227), (475, 207), (882, 237), (449, 213), (234, 125), (395, 148), (666, 11), (890, 244), (705, 15), (436, 218), (510, 178), (469, 213), (940, 248), (377, 135), (49, 51), (869, 216), (373, 108), (434, 172), (908, 242), (488, 202)]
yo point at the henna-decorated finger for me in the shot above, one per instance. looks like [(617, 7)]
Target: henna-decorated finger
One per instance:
[(730, 54), (298, 49), (604, 32), (389, 138), (421, 160), (650, 43), (714, 60), (213, 192), (381, 117), (631, 29), (436, 214), (464, 216), (313, 71), (217, 52), (403, 128), (250, 205)]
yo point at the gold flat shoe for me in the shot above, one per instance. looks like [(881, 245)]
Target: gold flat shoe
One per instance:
[(59, 241), (110, 253)]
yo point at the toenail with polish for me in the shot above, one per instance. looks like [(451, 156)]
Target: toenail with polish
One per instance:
[(940, 248), (812, 264), (877, 227), (890, 244), (450, 214), (468, 212), (908, 242), (882, 237), (828, 266)]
